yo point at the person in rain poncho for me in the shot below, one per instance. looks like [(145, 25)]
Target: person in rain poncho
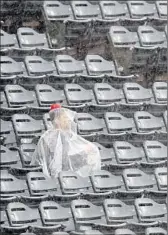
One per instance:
[(61, 149)]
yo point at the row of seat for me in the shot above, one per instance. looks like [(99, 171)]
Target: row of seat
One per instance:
[(111, 214), (148, 155)]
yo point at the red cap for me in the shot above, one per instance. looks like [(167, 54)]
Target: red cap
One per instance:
[(55, 106)]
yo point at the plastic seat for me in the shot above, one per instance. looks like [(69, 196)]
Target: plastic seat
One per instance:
[(155, 230), (150, 211), (10, 67), (161, 178), (18, 96), (7, 40), (52, 213), (96, 65), (136, 180), (3, 101), (37, 66), (26, 152), (88, 124), (28, 38), (127, 153), (117, 123), (11, 186), (106, 94), (77, 95), (71, 183), (57, 11), (160, 92), (165, 117), (120, 37), (85, 212), (113, 9), (104, 181), (135, 93), (26, 127), (155, 151), (162, 9), (149, 36), (123, 231), (9, 158), (146, 122), (107, 154), (68, 65), (40, 185), (118, 212), (85, 10), (140, 9), (7, 132), (47, 95)]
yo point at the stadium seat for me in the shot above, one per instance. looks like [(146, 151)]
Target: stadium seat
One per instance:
[(136, 180), (17, 96), (28, 38), (165, 118), (146, 122), (92, 232), (162, 9), (85, 10), (26, 153), (123, 231), (107, 154), (150, 211), (7, 132), (36, 66), (67, 65), (161, 178), (47, 95), (9, 158), (155, 230), (96, 65), (8, 40), (155, 151), (106, 94), (127, 153), (160, 92), (10, 67)]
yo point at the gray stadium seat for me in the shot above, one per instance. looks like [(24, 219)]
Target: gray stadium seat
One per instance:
[(88, 124), (127, 153), (11, 186), (106, 94), (9, 158), (47, 95), (26, 152), (67, 65), (10, 67), (146, 122), (3, 101), (155, 230), (165, 118), (150, 211), (71, 183), (155, 151), (37, 66), (160, 92), (118, 212), (136, 180), (107, 154), (77, 95), (135, 93), (18, 96), (104, 181), (40, 185), (140, 9), (161, 178), (7, 132), (52, 213), (117, 123), (113, 9), (7, 40), (162, 9), (149, 36), (85, 10), (122, 231), (28, 38), (97, 65)]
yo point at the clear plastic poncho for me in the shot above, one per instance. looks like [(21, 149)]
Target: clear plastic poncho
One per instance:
[(61, 149)]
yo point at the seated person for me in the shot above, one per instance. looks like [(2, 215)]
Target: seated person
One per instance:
[(61, 149)]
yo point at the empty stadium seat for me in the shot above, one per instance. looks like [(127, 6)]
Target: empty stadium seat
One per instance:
[(106, 94), (150, 211), (67, 65), (47, 95), (161, 178), (8, 40), (155, 230), (136, 180), (7, 132), (28, 38), (9, 158), (26, 153), (165, 118), (96, 65), (160, 92), (107, 154), (162, 9), (37, 66), (10, 67)]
